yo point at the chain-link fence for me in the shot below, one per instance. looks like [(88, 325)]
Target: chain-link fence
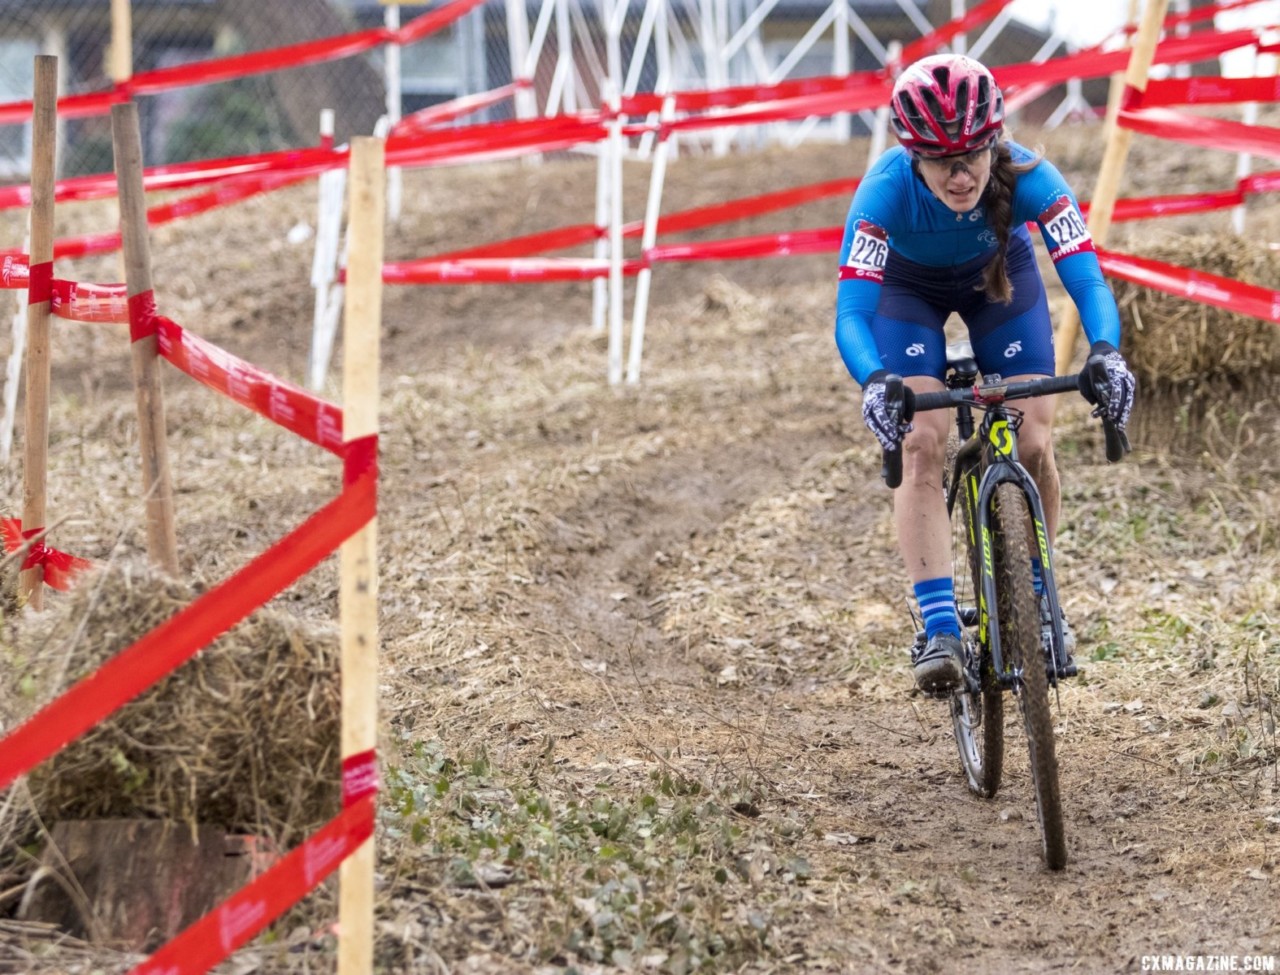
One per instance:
[(562, 54), (244, 115)]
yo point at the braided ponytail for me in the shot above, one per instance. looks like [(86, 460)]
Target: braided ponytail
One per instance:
[(999, 202)]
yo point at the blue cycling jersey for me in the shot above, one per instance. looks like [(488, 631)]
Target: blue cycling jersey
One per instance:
[(894, 210)]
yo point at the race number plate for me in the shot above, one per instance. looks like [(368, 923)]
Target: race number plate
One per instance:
[(1066, 228), (868, 253)]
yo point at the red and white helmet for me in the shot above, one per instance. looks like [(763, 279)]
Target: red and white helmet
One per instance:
[(946, 104)]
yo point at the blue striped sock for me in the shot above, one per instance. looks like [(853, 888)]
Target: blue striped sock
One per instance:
[(937, 599), (1037, 580)]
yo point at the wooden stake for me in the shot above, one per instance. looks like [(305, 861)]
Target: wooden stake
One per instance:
[(44, 139), (121, 66), (157, 482), (358, 588), (1103, 202), (1116, 91)]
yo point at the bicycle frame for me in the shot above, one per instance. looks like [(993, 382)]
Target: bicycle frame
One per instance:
[(997, 442)]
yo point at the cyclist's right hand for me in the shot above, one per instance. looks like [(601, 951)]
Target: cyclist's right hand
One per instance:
[(886, 408)]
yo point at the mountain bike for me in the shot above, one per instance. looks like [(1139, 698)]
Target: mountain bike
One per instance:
[(1010, 645)]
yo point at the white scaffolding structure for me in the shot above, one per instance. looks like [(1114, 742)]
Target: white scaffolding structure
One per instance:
[(700, 45), (592, 47), (596, 53)]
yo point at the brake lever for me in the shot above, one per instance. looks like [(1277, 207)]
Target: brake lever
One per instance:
[(891, 460)]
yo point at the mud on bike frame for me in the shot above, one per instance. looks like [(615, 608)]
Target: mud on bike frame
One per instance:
[(985, 462)]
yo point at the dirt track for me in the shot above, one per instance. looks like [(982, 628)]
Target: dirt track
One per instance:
[(646, 699)]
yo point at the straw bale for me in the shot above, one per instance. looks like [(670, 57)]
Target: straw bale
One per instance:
[(245, 736), (1205, 375)]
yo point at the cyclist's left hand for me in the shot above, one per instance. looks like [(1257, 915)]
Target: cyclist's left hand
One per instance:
[(1120, 383)]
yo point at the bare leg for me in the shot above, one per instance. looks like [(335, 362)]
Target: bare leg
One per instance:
[(919, 506), (920, 511)]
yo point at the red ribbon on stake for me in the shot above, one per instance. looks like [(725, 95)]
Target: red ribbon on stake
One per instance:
[(172, 643), (242, 916), (60, 569)]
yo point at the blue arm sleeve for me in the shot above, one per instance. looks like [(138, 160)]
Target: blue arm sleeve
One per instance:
[(863, 253), (1082, 277), (855, 304)]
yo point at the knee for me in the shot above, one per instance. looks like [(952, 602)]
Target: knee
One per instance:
[(923, 452), (1035, 448)]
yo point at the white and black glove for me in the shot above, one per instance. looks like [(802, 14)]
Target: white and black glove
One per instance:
[(1111, 397), (884, 417)]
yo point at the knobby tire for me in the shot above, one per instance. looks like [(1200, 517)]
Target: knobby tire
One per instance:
[(1019, 616), (977, 719)]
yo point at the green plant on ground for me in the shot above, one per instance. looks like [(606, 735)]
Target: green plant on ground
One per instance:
[(653, 873)]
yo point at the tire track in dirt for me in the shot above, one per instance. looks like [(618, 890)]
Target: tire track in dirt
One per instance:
[(603, 557), (945, 879)]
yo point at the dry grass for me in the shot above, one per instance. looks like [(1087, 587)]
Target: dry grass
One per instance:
[(243, 737), (646, 705), (1209, 378)]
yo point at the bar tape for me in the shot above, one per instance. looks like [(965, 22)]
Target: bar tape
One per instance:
[(172, 643), (60, 569), (243, 915)]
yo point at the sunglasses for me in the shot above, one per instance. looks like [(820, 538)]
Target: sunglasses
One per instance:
[(944, 163)]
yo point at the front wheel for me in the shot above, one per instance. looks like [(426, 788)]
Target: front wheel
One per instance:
[(1019, 620), (977, 715)]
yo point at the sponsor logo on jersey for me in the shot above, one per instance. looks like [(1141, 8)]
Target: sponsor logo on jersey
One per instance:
[(1066, 228), (867, 254)]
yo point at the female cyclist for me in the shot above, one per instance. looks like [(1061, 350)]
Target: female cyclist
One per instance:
[(939, 225)]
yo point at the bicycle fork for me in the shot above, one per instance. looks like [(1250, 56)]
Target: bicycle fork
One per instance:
[(1002, 466)]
